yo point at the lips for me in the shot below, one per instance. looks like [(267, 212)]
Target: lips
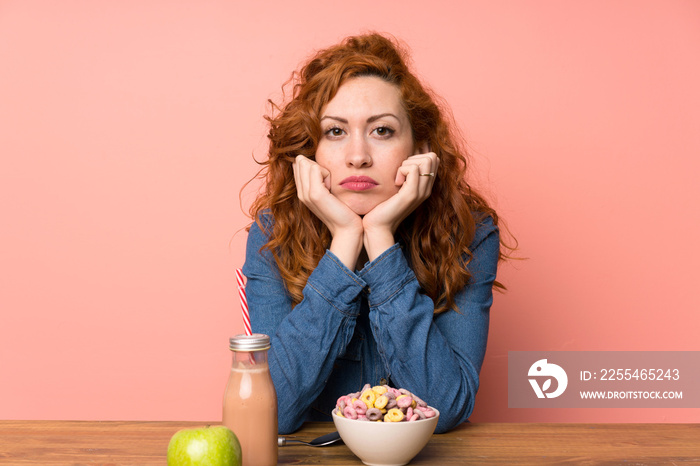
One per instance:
[(358, 183)]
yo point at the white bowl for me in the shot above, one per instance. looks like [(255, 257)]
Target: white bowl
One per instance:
[(385, 443)]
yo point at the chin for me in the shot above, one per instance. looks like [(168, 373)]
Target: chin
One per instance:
[(361, 211), (363, 203), (361, 208)]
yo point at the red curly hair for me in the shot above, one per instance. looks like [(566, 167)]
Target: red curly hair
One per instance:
[(436, 235)]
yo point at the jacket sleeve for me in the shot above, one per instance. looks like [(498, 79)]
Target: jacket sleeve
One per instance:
[(437, 357), (306, 340)]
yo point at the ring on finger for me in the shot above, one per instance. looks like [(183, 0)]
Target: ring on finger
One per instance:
[(427, 174)]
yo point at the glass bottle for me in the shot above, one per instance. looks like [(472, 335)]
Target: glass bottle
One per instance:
[(250, 400)]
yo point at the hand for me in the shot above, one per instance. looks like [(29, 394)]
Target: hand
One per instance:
[(380, 223), (313, 189)]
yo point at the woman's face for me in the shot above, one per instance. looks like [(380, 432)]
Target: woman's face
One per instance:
[(365, 137)]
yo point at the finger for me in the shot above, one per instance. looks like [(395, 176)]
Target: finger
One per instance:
[(425, 162), (431, 161), (326, 178), (303, 167), (427, 173), (410, 175), (295, 170), (316, 185), (401, 174), (400, 178)]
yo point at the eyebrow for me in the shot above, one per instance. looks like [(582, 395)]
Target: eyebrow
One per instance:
[(369, 120)]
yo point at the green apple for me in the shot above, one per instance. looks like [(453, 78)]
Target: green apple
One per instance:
[(208, 446)]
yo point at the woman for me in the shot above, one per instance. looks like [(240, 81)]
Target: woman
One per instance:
[(370, 260)]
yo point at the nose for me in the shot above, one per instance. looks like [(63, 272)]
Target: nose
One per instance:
[(358, 152)]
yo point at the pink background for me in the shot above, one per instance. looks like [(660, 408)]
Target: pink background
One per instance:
[(127, 130)]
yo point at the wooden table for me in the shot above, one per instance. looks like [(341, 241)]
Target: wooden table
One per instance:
[(108, 442)]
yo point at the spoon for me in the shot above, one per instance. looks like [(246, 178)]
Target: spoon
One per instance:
[(322, 441)]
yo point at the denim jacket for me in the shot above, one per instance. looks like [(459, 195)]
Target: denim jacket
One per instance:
[(371, 326)]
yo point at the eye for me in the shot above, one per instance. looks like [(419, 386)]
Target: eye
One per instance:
[(384, 131), (334, 132)]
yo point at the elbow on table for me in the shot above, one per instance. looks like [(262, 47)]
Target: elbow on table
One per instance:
[(447, 423), (453, 415), (288, 425)]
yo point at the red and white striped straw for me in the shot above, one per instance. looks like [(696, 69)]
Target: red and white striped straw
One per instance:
[(244, 301)]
